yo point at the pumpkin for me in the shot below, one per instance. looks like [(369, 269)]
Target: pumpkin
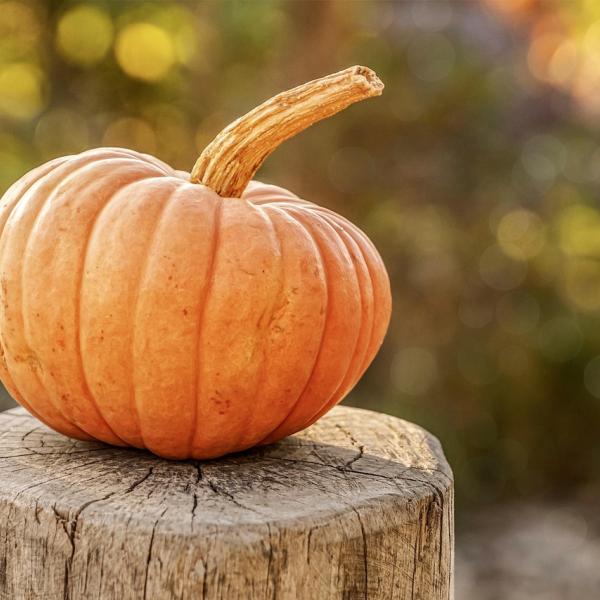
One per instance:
[(191, 315)]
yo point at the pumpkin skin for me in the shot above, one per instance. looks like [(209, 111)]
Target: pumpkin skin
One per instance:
[(142, 310)]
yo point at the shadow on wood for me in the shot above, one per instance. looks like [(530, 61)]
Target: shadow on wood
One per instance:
[(360, 505)]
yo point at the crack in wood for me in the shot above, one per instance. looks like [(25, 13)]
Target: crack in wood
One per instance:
[(359, 505), (365, 557), (359, 455), (150, 548)]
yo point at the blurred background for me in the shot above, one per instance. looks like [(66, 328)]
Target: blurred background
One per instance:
[(476, 174)]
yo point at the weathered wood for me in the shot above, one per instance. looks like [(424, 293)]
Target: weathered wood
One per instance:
[(358, 506)]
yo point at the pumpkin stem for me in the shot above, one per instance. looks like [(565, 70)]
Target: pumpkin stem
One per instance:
[(230, 161)]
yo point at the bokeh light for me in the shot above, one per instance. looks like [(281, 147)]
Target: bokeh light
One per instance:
[(84, 35), (130, 132), (431, 16), (581, 285), (145, 51), (21, 90), (19, 25), (521, 234), (61, 131), (579, 230), (187, 33)]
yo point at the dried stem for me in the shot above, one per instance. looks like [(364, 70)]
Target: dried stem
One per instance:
[(230, 161)]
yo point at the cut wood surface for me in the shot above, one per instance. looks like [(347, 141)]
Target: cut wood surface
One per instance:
[(360, 505)]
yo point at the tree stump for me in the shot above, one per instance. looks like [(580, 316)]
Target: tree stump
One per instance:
[(360, 505)]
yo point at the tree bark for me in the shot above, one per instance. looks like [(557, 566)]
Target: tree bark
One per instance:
[(360, 505)]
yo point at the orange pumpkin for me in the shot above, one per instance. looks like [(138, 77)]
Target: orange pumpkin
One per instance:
[(192, 316)]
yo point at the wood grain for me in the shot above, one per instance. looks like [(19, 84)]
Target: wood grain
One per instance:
[(360, 505)]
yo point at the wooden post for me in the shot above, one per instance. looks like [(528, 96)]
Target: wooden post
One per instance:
[(358, 506)]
